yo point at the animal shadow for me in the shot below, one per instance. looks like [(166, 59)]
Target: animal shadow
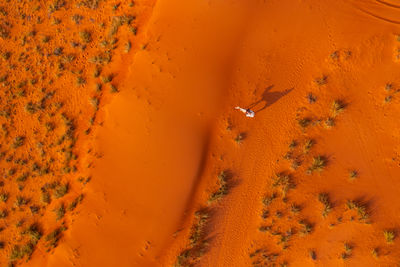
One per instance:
[(268, 98)]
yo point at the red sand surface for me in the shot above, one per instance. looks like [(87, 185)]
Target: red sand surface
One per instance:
[(180, 178)]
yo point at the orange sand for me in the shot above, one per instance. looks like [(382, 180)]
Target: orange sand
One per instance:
[(158, 145)]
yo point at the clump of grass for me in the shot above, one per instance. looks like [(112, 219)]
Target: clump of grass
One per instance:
[(375, 253), (85, 36), (60, 212), (76, 18), (45, 39), (312, 254), (347, 251), (34, 233), (311, 98), (389, 236), (95, 102), (321, 80), (97, 87), (3, 214), (49, 126), (295, 208), (107, 78), (353, 174), (264, 228), (60, 190), (75, 202), (268, 199), (239, 138), (324, 199), (197, 232), (45, 197), (19, 252), (360, 208), (318, 164), (308, 144), (20, 201), (306, 228), (338, 107), (197, 243), (388, 99), (223, 187), (335, 55), (292, 144), (128, 46), (53, 237), (4, 197), (80, 80), (284, 181), (22, 177), (304, 123), (295, 164), (96, 72), (329, 122), (18, 141), (113, 88)]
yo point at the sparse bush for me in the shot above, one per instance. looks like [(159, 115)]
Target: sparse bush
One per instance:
[(107, 79), (321, 80), (60, 212), (324, 199), (312, 254), (239, 138), (329, 122), (337, 107), (308, 144), (223, 187), (311, 98), (127, 47), (3, 197), (18, 141), (295, 208), (361, 209), (86, 36), (375, 253), (318, 164), (53, 238), (20, 201), (113, 89), (46, 197), (304, 123), (3, 214), (353, 174), (80, 81), (75, 202), (389, 236), (284, 181), (306, 228), (268, 199), (60, 190)]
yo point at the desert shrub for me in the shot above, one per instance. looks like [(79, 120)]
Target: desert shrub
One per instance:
[(321, 80), (337, 107), (60, 212), (318, 164), (324, 199), (389, 236), (60, 190)]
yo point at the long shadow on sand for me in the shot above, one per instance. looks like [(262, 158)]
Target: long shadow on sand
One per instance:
[(269, 98)]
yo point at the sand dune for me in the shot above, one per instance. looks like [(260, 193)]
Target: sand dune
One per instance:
[(132, 154)]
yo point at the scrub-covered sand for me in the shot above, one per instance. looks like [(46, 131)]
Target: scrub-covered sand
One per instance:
[(121, 145)]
